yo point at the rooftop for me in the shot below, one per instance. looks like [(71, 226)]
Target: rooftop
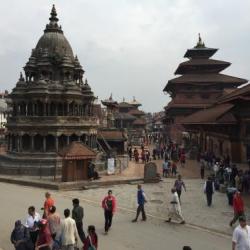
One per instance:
[(77, 150)]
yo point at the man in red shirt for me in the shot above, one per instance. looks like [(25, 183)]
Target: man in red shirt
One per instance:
[(109, 206), (238, 206), (49, 202)]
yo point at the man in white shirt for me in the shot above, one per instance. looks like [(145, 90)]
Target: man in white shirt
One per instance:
[(32, 223), (68, 232), (175, 209), (241, 235)]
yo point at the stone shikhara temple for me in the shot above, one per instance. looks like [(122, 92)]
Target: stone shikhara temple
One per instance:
[(51, 107)]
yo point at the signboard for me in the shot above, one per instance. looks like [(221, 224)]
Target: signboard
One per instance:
[(111, 166)]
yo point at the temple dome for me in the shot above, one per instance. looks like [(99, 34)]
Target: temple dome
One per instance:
[(54, 43)]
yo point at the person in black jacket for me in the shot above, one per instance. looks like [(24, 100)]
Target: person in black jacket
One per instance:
[(209, 190), (77, 215)]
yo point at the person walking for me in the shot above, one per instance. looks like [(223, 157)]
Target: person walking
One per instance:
[(136, 155), (20, 237), (31, 223), (48, 203), (202, 168), (44, 240), (178, 185), (109, 206), (175, 209), (77, 215), (91, 242), (182, 159), (165, 168), (53, 222), (130, 153), (238, 206), (209, 190), (241, 235), (141, 200), (68, 232), (174, 168)]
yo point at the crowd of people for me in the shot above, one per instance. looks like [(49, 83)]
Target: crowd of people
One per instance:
[(224, 172), (50, 231)]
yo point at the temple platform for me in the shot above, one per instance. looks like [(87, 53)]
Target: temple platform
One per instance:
[(35, 164)]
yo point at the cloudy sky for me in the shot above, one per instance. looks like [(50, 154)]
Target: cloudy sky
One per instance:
[(128, 47)]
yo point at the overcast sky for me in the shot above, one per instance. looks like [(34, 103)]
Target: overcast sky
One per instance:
[(128, 47)]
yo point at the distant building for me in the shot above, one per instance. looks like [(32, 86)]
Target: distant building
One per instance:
[(128, 117)]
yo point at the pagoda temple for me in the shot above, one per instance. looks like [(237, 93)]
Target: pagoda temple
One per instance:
[(52, 106), (224, 128), (201, 83)]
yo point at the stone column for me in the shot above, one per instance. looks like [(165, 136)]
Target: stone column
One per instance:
[(87, 139), (10, 138), (56, 143), (67, 139), (90, 141), (32, 142), (48, 109), (67, 112), (56, 109), (33, 109), (44, 144), (44, 109), (20, 143), (26, 109), (94, 141)]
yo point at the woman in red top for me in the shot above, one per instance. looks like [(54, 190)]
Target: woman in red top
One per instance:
[(44, 240), (91, 239), (238, 206)]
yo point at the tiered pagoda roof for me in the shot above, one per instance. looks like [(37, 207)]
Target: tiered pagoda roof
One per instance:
[(202, 70), (110, 102)]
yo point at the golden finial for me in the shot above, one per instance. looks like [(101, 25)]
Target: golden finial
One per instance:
[(200, 43)]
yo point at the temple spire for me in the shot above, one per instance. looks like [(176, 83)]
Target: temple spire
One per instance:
[(200, 43), (53, 25), (53, 14)]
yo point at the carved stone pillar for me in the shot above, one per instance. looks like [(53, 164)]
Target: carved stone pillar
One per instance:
[(10, 141), (56, 143), (32, 142), (20, 143), (67, 113), (44, 144), (33, 109), (56, 109), (44, 109)]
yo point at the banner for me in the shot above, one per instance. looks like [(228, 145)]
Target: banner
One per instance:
[(111, 166)]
